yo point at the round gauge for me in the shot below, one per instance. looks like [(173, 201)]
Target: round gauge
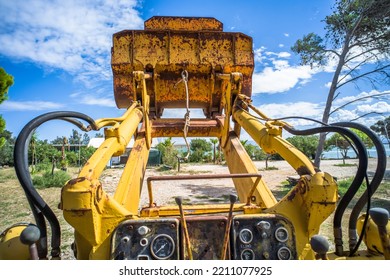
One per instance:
[(247, 255), (284, 253), (245, 236), (162, 247), (264, 225), (281, 234)]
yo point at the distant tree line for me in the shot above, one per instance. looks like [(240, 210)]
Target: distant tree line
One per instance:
[(43, 154), (72, 151)]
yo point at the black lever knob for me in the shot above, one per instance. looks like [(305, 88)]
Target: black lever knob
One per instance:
[(380, 216), (179, 200), (29, 236), (320, 245), (233, 198)]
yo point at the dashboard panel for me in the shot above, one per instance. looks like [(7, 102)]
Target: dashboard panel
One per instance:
[(251, 237), (263, 237)]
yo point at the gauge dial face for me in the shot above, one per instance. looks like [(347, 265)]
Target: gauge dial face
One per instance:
[(264, 225), (247, 255), (281, 234), (162, 247), (246, 236), (284, 253)]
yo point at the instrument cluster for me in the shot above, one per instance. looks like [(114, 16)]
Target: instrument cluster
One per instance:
[(251, 237)]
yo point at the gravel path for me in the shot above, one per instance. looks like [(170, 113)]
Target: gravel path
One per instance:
[(218, 190)]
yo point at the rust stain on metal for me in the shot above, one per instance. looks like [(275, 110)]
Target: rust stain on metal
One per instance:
[(300, 188), (183, 23), (169, 45), (76, 180), (303, 170)]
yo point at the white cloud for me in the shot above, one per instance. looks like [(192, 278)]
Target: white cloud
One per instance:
[(258, 54), (280, 64), (371, 109), (74, 36), (343, 100), (379, 107), (100, 101), (284, 54), (367, 111), (301, 109), (261, 55), (281, 45), (343, 115), (280, 79), (9, 105), (98, 98), (286, 35)]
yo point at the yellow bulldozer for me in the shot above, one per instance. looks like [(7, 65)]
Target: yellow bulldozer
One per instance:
[(186, 63)]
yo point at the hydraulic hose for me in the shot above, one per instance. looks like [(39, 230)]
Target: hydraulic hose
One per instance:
[(375, 182), (356, 183), (38, 206)]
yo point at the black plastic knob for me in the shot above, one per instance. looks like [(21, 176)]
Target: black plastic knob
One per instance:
[(319, 244), (30, 235), (233, 198), (380, 216), (179, 200)]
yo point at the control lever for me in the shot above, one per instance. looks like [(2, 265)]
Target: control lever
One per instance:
[(233, 199), (380, 216), (179, 202), (29, 236), (320, 245)]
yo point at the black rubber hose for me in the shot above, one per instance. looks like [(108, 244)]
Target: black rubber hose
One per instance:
[(362, 168), (379, 172), (23, 174), (41, 224)]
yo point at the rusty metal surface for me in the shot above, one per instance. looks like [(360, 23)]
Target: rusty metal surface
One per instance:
[(183, 23), (203, 209), (205, 234), (166, 53), (174, 128)]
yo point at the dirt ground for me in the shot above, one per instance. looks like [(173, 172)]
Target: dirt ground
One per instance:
[(197, 191)]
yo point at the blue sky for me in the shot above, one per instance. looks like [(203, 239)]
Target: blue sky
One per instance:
[(59, 54)]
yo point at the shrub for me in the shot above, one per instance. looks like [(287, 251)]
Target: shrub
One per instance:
[(48, 180)]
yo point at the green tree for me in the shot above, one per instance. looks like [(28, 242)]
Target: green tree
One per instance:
[(6, 81), (85, 139), (200, 150), (6, 150), (214, 142), (357, 34), (33, 150), (75, 137), (57, 141), (253, 151), (344, 144), (168, 152), (86, 153), (382, 128), (306, 144)]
